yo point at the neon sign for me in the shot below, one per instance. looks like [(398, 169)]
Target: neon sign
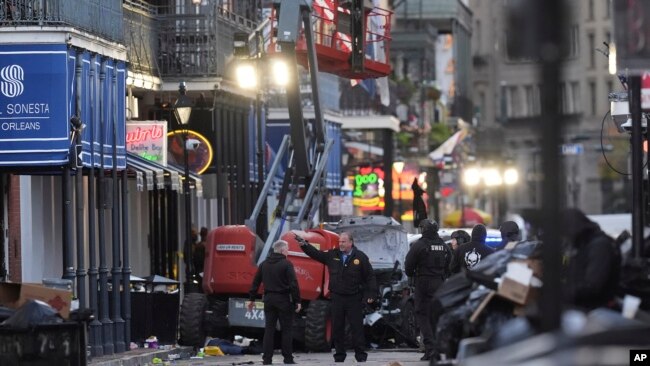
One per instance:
[(148, 140), (368, 189), (361, 181)]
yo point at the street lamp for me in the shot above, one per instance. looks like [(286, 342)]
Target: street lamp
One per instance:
[(492, 177), (249, 74), (399, 167), (182, 111)]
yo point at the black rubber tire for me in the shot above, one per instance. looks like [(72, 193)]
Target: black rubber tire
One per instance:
[(409, 330), (318, 335), (216, 320), (192, 327)]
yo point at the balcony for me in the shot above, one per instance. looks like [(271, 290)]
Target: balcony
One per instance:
[(196, 40), (442, 14), (101, 18), (141, 37)]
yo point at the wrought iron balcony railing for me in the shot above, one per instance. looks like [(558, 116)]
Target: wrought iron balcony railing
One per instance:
[(196, 40), (99, 17)]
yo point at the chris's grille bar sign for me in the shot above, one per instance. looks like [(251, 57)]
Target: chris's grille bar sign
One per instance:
[(148, 140)]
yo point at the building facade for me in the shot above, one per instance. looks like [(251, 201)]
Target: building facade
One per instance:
[(83, 73), (506, 92)]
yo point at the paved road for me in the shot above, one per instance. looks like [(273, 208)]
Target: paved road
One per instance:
[(375, 358)]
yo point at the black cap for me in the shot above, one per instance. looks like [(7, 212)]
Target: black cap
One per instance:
[(509, 230), (429, 226)]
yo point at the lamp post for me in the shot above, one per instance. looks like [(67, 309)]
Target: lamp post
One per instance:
[(399, 167), (182, 111), (249, 75)]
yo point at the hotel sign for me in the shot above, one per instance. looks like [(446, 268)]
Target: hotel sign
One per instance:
[(34, 105)]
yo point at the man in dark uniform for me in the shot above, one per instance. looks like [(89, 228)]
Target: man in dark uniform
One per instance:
[(281, 299), (509, 235), (470, 254), (594, 262), (352, 283), (428, 261)]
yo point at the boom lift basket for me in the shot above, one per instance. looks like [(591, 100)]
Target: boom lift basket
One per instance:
[(333, 41)]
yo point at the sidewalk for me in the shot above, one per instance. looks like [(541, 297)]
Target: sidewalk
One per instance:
[(139, 357)]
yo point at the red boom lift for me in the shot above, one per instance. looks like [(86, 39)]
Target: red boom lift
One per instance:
[(340, 37)]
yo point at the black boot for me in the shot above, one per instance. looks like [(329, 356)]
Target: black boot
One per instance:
[(429, 356)]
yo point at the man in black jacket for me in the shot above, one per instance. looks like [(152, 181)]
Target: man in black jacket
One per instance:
[(352, 283), (428, 261), (594, 261), (509, 235), (470, 254), (281, 299)]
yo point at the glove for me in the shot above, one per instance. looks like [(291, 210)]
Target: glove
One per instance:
[(302, 242)]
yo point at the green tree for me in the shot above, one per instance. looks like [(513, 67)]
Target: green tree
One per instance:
[(439, 133)]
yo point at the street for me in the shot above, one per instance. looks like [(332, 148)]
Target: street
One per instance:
[(375, 358)]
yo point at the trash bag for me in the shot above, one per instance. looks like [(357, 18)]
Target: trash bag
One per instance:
[(527, 249), (226, 347), (635, 280), (5, 313), (490, 268), (451, 329), (33, 313), (510, 332), (454, 291)]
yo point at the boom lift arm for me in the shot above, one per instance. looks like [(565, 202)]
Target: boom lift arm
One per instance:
[(309, 150)]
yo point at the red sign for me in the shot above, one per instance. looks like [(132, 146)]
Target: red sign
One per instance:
[(645, 91), (148, 140)]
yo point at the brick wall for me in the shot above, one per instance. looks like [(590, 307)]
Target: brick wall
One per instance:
[(15, 257)]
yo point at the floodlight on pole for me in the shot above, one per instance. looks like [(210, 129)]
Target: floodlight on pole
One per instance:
[(472, 176), (510, 176), (492, 177), (280, 72), (246, 75)]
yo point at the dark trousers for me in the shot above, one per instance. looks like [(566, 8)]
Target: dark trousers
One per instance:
[(278, 307), (348, 308), (425, 287)]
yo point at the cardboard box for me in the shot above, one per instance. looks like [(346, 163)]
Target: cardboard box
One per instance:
[(514, 291), (534, 264), (14, 295), (515, 284)]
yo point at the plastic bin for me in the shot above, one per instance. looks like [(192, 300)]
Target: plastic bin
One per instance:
[(44, 345)]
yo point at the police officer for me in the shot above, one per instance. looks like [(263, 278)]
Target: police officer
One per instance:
[(281, 299), (428, 261), (352, 283)]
